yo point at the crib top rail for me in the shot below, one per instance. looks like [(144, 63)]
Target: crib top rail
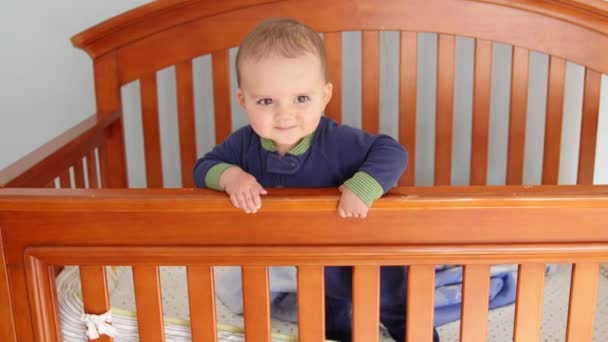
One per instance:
[(406, 217), (40, 167), (301, 200), (189, 28)]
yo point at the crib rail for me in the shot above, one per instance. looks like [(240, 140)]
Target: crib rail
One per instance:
[(419, 227), (54, 159)]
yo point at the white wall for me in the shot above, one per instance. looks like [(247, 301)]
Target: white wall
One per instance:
[(46, 84)]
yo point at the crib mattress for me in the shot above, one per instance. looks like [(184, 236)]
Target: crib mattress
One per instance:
[(175, 309)]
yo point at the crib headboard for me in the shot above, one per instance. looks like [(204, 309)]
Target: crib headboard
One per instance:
[(136, 44)]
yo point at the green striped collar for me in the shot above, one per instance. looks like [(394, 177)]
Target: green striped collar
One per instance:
[(297, 150)]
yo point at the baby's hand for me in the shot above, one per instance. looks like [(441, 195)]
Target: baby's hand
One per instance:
[(243, 189), (351, 205)]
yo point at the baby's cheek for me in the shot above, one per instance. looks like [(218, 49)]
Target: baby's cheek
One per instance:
[(260, 124)]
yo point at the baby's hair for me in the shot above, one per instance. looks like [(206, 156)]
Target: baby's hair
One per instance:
[(280, 37)]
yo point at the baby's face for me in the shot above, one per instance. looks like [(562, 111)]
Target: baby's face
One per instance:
[(283, 97)]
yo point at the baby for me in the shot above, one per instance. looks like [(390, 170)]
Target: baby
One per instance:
[(284, 88)]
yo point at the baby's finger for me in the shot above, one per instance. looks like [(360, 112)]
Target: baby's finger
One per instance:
[(257, 201), (262, 190), (242, 202), (341, 212), (249, 200), (235, 201)]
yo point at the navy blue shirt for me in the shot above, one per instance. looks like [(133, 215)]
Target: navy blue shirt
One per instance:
[(336, 153)]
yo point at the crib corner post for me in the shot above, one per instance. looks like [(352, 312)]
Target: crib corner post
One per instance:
[(7, 324), (40, 281), (112, 154)]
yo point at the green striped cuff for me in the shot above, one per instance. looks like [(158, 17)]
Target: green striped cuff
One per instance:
[(212, 178), (365, 187)]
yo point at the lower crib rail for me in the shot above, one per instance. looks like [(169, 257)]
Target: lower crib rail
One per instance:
[(310, 267)]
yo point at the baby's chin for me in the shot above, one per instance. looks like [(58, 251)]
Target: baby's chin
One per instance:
[(287, 142), (285, 138)]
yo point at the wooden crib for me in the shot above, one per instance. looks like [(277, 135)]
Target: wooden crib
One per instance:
[(475, 226)]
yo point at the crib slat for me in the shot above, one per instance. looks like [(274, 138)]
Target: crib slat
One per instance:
[(79, 174), (95, 292), (92, 170), (408, 70), (201, 294), (257, 303), (591, 108), (583, 295), (445, 109), (481, 111), (370, 59), (517, 117), (102, 181), (554, 117), (146, 283), (64, 179), (44, 303), (311, 304), (149, 108), (112, 158), (528, 308), (475, 293), (185, 105), (366, 303), (420, 302), (221, 95), (333, 50), (50, 278)]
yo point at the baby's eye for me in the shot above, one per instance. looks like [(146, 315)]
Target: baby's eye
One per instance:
[(302, 99), (265, 102)]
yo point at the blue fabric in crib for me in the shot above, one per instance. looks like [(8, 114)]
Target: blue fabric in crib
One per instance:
[(448, 290)]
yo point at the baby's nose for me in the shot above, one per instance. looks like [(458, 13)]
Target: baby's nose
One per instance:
[(284, 112)]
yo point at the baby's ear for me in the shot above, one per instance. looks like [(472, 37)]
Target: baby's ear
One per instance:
[(327, 92), (240, 97)]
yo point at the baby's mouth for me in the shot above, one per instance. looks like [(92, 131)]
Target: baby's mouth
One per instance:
[(284, 128)]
